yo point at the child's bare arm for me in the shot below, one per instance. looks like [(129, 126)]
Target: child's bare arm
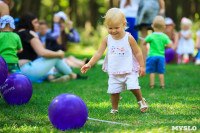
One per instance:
[(138, 55), (169, 45), (96, 56), (198, 42), (20, 50), (187, 37)]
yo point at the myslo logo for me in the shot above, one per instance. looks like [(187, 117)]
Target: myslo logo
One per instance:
[(184, 128)]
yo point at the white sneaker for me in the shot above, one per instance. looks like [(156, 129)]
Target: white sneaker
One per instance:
[(63, 78)]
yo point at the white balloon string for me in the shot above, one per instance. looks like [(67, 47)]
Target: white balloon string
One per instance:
[(107, 121)]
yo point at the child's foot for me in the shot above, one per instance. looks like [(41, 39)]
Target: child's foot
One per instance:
[(63, 78), (151, 86), (114, 111), (143, 105), (162, 87)]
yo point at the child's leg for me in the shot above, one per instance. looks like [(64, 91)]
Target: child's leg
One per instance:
[(161, 78), (190, 57), (152, 79), (115, 100), (138, 95), (182, 59)]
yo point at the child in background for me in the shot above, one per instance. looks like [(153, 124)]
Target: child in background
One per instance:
[(186, 44), (43, 31), (124, 62), (10, 43), (155, 63), (170, 53), (197, 60)]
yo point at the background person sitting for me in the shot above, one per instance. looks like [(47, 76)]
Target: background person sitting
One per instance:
[(170, 53), (36, 68)]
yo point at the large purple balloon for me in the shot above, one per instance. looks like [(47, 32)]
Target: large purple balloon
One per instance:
[(68, 111), (17, 89), (3, 70), (169, 55)]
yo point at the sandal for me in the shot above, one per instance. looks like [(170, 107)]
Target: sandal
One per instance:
[(162, 86), (151, 86), (114, 111), (143, 106)]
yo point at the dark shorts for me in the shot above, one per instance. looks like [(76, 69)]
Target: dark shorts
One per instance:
[(155, 64)]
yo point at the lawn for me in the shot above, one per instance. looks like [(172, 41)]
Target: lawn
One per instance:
[(177, 105)]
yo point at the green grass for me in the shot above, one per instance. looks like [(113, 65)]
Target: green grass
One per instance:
[(177, 105)]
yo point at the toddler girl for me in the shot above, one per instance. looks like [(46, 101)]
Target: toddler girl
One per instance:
[(186, 44), (124, 62), (10, 43)]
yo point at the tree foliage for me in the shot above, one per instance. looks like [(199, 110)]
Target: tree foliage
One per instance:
[(92, 11)]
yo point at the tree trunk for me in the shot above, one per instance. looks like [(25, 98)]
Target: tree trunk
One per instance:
[(73, 12), (110, 3), (186, 8), (93, 14), (25, 7), (35, 7)]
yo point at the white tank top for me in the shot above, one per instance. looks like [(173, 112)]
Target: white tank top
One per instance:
[(120, 58)]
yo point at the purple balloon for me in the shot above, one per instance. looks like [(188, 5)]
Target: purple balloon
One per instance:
[(169, 55), (3, 70), (17, 89), (68, 111)]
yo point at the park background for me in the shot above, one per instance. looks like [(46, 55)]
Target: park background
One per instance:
[(87, 15), (177, 105)]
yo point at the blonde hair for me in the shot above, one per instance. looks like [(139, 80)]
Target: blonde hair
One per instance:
[(113, 15), (158, 22), (186, 21)]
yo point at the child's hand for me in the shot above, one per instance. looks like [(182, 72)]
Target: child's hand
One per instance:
[(85, 68), (70, 24), (142, 71)]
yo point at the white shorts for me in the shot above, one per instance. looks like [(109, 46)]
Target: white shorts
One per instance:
[(117, 83)]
